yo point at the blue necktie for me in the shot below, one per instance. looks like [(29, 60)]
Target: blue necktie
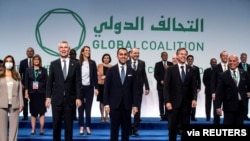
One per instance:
[(182, 74), (122, 74), (64, 69)]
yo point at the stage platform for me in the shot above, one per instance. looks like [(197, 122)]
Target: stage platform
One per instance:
[(151, 129)]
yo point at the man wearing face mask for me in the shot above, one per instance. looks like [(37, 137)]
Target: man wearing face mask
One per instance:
[(24, 64)]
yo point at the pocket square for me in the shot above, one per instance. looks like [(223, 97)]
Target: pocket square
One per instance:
[(130, 75)]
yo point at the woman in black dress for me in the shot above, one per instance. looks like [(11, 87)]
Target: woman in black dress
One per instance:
[(35, 88), (102, 70)]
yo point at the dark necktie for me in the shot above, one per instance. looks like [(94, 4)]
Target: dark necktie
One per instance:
[(182, 74), (64, 69), (134, 66), (122, 74)]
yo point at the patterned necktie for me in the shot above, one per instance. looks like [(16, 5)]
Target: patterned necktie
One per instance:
[(234, 77), (183, 75), (64, 69), (122, 74), (245, 66)]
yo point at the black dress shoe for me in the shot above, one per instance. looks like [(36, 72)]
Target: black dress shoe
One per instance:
[(179, 132), (25, 118), (33, 132), (135, 133), (193, 119), (130, 131), (247, 118), (164, 119)]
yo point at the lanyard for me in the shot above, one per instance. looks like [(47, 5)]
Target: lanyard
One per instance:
[(36, 73)]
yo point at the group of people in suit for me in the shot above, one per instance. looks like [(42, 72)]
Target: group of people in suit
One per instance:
[(72, 84)]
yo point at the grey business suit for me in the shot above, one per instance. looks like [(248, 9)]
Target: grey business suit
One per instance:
[(13, 110)]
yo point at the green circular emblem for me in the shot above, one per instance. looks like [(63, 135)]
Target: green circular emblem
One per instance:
[(56, 12)]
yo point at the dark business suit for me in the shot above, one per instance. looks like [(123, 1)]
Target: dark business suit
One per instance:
[(159, 73), (142, 80), (120, 98), (213, 83), (22, 70), (63, 94), (198, 86), (36, 96), (180, 95), (208, 94), (88, 94), (227, 96), (248, 72)]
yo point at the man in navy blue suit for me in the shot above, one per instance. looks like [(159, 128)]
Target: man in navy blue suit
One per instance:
[(179, 93), (120, 96), (63, 92)]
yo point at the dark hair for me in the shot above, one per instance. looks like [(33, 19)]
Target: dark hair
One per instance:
[(106, 54), (122, 48), (179, 49)]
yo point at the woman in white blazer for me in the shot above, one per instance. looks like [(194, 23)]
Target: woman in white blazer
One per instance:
[(11, 100)]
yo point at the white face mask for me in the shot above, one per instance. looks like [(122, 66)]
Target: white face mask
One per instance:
[(8, 65)]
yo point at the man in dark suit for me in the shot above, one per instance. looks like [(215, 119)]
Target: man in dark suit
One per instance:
[(120, 96), (206, 81), (159, 73), (72, 55), (219, 68), (179, 93), (142, 80), (190, 61), (24, 64), (231, 93), (63, 91), (246, 67)]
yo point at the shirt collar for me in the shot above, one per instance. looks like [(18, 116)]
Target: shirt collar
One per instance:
[(67, 59)]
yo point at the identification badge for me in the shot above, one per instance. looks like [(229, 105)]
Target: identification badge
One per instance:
[(35, 84)]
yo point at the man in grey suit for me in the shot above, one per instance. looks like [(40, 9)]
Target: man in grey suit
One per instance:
[(63, 91), (120, 96), (142, 80)]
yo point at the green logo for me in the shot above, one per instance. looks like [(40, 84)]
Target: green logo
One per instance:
[(55, 12)]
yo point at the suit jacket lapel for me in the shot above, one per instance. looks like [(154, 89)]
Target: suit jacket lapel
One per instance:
[(178, 72), (70, 69), (60, 67), (118, 74)]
